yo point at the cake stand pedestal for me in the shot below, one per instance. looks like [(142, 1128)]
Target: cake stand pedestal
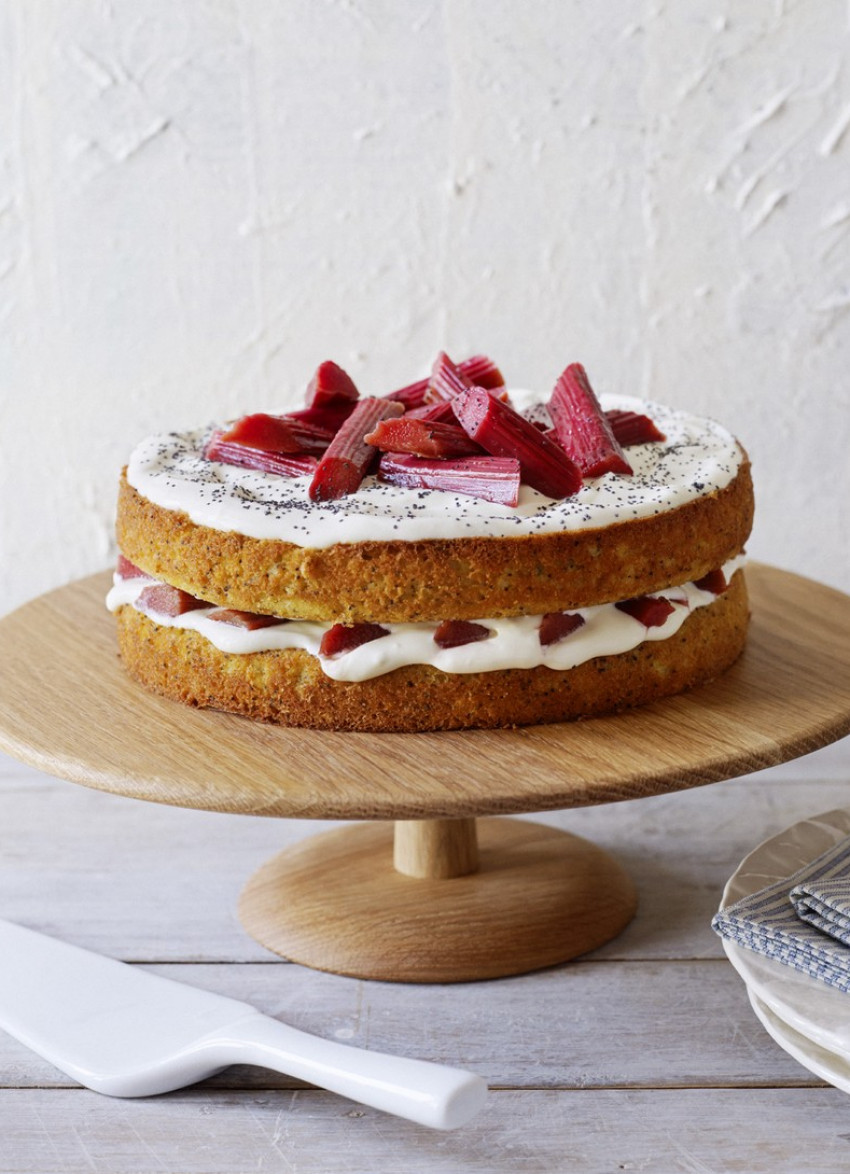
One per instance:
[(457, 897)]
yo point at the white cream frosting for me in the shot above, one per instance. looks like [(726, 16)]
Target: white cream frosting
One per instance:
[(697, 457), (514, 643)]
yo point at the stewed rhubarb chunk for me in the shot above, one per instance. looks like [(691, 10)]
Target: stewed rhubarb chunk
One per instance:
[(164, 600), (282, 464), (248, 620), (446, 381), (344, 637), (489, 478), (348, 457), (124, 569), (422, 439), (330, 385), (505, 433), (633, 427), (557, 625), (714, 581), (649, 610), (479, 370), (331, 417), (456, 633), (582, 428), (411, 396), (438, 413), (280, 434)]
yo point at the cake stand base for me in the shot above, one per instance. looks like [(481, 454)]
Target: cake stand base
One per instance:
[(538, 896)]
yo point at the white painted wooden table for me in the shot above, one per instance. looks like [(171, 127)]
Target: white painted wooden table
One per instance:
[(643, 1056)]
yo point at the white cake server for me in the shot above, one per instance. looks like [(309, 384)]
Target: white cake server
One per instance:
[(126, 1033)]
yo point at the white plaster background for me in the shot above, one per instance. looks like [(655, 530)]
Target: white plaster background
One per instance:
[(200, 201)]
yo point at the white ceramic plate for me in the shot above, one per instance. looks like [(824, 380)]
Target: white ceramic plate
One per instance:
[(829, 1066), (809, 1008)]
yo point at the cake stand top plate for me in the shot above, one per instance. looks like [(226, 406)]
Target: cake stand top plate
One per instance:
[(67, 707)]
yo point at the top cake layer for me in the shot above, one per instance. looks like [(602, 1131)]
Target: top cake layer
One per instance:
[(698, 458), (255, 541)]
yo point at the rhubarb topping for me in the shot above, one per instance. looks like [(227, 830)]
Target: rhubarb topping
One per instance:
[(649, 610), (489, 478), (633, 428), (330, 385), (447, 381), (557, 625), (168, 601), (505, 433), (248, 620), (331, 417), (412, 396), (479, 370), (439, 413), (581, 426), (126, 570), (344, 637), (348, 457), (280, 434), (456, 633), (281, 464), (714, 581), (422, 439)]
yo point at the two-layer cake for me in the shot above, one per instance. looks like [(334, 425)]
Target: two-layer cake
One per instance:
[(440, 591)]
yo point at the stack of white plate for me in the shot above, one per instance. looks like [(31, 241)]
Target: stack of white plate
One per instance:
[(807, 1018)]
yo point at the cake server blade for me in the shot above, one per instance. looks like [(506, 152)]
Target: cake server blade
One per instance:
[(126, 1033)]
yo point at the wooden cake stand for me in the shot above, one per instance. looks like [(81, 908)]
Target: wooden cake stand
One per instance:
[(458, 898)]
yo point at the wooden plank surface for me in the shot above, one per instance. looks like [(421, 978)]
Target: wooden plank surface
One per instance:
[(645, 1055), (689, 1131)]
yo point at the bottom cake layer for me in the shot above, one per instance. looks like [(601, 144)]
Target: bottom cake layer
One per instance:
[(288, 686)]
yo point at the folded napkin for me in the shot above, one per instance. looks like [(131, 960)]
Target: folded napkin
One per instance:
[(802, 921), (825, 903)]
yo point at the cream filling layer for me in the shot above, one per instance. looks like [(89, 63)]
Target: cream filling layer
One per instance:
[(514, 642), (697, 458)]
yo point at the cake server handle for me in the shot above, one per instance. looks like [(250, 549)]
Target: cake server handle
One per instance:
[(432, 1094)]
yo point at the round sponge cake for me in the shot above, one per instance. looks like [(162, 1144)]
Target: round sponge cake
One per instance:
[(405, 561)]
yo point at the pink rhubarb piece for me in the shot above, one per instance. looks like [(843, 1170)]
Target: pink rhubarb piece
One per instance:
[(456, 633), (557, 625), (278, 434), (348, 457), (421, 438), (344, 637), (330, 385), (633, 427), (650, 610), (446, 381), (490, 478), (714, 581), (582, 428), (168, 601), (505, 433), (281, 464), (126, 570), (478, 370)]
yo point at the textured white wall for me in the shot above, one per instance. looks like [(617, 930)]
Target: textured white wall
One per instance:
[(201, 201)]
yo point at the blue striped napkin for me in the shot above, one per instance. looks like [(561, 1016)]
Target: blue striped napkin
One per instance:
[(802, 921)]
